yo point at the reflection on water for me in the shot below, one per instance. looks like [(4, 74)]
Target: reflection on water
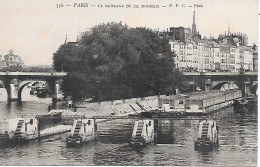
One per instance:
[(237, 139), (29, 107), (165, 132)]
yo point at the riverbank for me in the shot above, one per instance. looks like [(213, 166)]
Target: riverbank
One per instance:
[(117, 107)]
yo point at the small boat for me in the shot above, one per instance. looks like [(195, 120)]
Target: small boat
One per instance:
[(42, 92), (243, 102), (252, 102), (207, 136), (241, 105)]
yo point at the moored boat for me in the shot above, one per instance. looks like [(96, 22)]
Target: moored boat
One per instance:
[(194, 103), (246, 104), (173, 103), (203, 103), (252, 102)]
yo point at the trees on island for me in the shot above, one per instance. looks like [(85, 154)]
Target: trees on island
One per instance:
[(113, 61)]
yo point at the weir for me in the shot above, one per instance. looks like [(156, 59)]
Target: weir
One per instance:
[(146, 130)]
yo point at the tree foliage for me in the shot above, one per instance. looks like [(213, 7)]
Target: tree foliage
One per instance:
[(112, 61)]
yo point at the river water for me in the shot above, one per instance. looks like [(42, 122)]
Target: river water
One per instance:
[(237, 139)]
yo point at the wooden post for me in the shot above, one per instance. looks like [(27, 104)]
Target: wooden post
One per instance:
[(39, 128), (95, 126), (155, 130), (95, 130)]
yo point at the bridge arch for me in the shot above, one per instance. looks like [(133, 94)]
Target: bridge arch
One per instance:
[(4, 91), (226, 85), (23, 84)]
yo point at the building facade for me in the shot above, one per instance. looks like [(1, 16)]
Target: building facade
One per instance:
[(227, 53), (11, 60), (255, 58)]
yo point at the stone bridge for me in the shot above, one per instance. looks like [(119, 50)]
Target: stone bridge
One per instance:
[(14, 82), (246, 81)]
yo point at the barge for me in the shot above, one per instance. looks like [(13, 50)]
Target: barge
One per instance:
[(194, 103), (203, 103), (173, 104)]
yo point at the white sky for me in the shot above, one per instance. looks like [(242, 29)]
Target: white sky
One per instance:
[(35, 29)]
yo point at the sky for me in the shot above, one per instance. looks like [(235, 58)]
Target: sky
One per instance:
[(35, 29)]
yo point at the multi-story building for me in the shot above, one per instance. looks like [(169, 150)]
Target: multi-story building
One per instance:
[(180, 33), (227, 53), (255, 58), (247, 55), (185, 34)]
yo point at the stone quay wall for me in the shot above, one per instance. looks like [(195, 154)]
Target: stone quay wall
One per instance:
[(117, 107)]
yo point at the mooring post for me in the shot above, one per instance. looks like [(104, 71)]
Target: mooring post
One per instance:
[(155, 130), (95, 130), (39, 128), (95, 126)]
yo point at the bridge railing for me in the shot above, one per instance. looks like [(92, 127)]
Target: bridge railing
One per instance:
[(57, 74), (219, 73)]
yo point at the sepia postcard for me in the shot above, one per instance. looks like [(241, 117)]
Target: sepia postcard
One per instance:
[(129, 82)]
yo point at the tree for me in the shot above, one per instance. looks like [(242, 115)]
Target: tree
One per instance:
[(112, 61), (66, 58)]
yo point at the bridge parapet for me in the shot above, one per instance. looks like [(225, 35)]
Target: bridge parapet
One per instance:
[(252, 73), (46, 74)]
